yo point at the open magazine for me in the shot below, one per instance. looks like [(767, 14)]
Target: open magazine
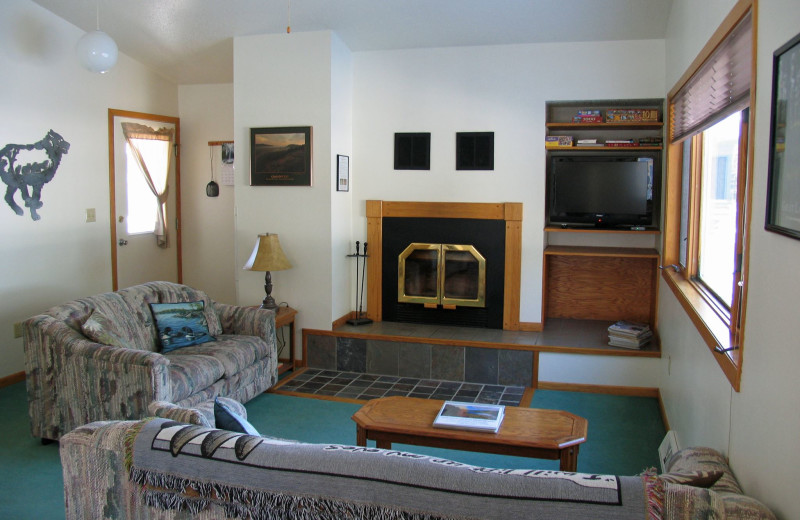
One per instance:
[(470, 416)]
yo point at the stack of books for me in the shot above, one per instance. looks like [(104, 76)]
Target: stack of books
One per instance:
[(588, 116), (629, 334), (619, 143), (649, 141), (588, 142)]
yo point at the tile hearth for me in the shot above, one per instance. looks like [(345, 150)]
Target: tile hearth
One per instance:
[(355, 385)]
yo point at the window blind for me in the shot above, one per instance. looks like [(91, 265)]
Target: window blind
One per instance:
[(719, 87)]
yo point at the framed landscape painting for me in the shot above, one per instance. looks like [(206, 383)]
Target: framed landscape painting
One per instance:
[(280, 156)]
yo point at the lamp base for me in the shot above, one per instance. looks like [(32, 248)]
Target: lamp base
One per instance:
[(269, 305), (269, 301)]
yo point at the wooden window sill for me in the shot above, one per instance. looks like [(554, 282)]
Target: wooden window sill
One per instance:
[(712, 328)]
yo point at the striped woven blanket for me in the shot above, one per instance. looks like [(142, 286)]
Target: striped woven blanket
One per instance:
[(191, 467)]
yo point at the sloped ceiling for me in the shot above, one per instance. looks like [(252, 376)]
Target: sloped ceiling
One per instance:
[(191, 41)]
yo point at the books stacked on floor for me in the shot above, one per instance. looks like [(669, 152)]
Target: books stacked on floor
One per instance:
[(558, 141), (470, 416), (588, 116), (629, 334), (588, 143)]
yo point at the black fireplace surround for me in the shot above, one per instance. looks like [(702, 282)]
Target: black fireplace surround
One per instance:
[(488, 237)]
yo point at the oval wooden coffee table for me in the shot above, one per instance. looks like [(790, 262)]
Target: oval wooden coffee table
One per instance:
[(525, 432)]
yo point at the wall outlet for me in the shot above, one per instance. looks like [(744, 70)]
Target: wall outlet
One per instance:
[(91, 215), (18, 329)]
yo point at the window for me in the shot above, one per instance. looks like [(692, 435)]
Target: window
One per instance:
[(708, 178), (142, 203), (718, 208)]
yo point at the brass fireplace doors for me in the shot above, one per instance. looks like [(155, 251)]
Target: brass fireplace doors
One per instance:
[(449, 275)]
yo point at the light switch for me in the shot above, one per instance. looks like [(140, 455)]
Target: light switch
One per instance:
[(90, 215)]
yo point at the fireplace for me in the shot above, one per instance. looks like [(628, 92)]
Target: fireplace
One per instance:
[(444, 263)]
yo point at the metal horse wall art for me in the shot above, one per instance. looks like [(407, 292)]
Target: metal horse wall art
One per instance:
[(34, 173)]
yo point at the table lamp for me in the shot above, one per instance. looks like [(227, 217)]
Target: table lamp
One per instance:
[(267, 256)]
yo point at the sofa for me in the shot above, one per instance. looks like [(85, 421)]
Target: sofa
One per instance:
[(158, 468), (109, 356)]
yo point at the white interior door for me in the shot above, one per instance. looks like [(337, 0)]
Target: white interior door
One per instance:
[(136, 255)]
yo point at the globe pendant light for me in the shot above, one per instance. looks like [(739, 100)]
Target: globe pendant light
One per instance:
[(96, 50)]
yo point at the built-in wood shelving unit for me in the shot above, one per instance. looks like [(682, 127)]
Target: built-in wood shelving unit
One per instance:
[(585, 288)]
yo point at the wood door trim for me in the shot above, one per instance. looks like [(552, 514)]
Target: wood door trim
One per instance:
[(112, 113)]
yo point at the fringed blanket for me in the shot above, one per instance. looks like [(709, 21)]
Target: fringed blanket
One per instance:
[(191, 467)]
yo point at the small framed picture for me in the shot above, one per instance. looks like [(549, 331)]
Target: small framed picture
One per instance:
[(342, 173), (280, 156)]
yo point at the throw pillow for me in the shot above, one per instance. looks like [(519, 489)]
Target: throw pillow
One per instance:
[(100, 329), (701, 479), (227, 419), (180, 324)]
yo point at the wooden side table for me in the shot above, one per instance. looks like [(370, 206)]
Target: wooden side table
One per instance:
[(283, 317)]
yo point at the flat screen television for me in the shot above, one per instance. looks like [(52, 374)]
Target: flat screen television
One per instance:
[(618, 190)]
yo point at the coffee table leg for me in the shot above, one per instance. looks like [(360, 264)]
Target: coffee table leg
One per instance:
[(361, 436), (569, 459)]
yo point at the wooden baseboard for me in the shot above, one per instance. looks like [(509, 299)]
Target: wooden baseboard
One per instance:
[(13, 378), (341, 321), (528, 326), (636, 391)]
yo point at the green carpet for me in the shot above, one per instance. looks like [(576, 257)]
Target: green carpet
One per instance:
[(624, 434)]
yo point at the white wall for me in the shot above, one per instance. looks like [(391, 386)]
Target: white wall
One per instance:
[(496, 88), (342, 285), (501, 89), (60, 257), (287, 80), (757, 427), (206, 113)]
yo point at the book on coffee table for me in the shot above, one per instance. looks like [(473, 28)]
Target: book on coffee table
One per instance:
[(470, 416)]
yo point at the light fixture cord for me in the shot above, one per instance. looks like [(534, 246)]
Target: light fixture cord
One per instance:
[(288, 16), (98, 14)]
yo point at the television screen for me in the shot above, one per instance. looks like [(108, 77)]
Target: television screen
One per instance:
[(608, 190)]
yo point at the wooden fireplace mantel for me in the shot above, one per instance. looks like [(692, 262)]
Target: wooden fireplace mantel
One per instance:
[(510, 212)]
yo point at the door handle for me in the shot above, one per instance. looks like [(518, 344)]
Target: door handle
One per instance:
[(122, 242)]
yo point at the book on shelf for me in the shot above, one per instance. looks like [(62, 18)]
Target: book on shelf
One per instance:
[(621, 143), (470, 416), (587, 119), (631, 115), (649, 141), (558, 141), (588, 142)]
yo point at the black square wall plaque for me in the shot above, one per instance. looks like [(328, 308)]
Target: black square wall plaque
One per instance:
[(475, 151), (412, 151)]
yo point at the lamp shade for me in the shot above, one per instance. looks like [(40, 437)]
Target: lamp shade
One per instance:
[(267, 255), (97, 51)]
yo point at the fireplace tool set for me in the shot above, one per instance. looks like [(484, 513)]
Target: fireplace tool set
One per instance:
[(360, 259)]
